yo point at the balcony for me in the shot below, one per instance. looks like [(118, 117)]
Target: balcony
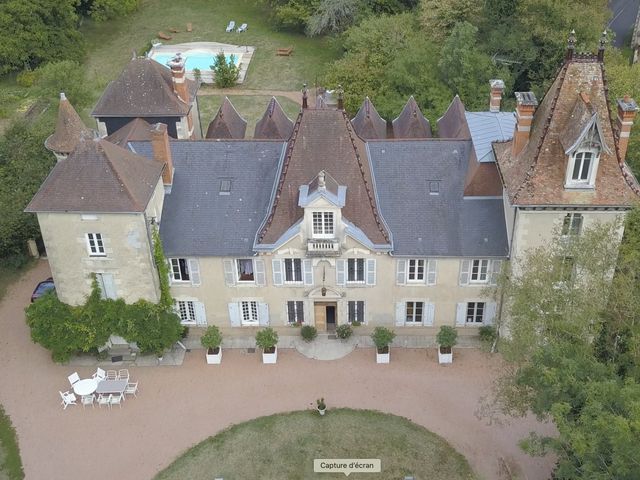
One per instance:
[(323, 248)]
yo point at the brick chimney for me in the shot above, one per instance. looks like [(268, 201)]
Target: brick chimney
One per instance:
[(571, 46), (162, 150), (627, 109), (497, 89), (526, 107), (176, 64), (340, 94), (601, 46), (305, 95)]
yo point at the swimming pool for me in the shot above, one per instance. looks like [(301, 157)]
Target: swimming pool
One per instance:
[(199, 60)]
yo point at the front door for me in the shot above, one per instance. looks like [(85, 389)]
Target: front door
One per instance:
[(331, 318), (320, 315)]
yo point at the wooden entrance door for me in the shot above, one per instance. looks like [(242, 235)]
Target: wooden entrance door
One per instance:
[(320, 315)]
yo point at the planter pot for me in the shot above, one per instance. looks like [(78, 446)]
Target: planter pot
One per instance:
[(270, 357), (382, 355), (214, 358), (321, 412), (445, 355)]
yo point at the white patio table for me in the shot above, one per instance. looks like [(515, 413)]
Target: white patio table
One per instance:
[(85, 387)]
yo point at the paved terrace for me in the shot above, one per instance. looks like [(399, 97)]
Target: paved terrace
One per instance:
[(180, 406)]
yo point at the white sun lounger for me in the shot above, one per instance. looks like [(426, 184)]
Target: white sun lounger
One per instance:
[(242, 28), (231, 26)]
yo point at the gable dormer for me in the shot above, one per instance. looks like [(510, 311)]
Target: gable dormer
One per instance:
[(583, 142)]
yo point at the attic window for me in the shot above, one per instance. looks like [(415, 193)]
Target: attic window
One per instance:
[(582, 168), (434, 187), (225, 186)]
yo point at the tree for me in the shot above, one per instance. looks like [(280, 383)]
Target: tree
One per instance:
[(333, 16), (226, 73), (101, 10), (64, 76), (438, 17), (555, 367), (37, 31)]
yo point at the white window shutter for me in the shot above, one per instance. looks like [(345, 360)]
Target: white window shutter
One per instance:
[(461, 312), (496, 266), (201, 317), (229, 276), (432, 265), (340, 272), (234, 314), (371, 271), (307, 272), (263, 314), (107, 285), (430, 309), (194, 271), (401, 272), (465, 267), (401, 312), (276, 267), (261, 278), (489, 314)]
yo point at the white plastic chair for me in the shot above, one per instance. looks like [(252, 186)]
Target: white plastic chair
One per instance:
[(231, 26), (104, 400), (68, 398), (123, 374), (112, 375), (73, 378), (87, 400), (99, 375), (116, 400), (242, 28), (131, 389)]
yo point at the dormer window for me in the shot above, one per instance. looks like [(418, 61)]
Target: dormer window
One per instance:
[(582, 168), (323, 226)]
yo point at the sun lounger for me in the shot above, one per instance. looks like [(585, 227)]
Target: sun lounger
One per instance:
[(174, 30), (164, 36), (231, 27), (284, 52), (189, 27), (242, 28)]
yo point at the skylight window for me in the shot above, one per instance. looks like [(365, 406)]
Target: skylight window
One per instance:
[(225, 186), (434, 187)]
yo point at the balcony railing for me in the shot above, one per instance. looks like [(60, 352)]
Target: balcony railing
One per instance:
[(325, 247)]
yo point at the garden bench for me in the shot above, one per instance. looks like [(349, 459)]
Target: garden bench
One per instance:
[(164, 36), (284, 52)]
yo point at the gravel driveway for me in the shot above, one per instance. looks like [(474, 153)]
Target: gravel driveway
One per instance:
[(180, 406)]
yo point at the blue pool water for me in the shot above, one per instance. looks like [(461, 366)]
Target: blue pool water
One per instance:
[(201, 61)]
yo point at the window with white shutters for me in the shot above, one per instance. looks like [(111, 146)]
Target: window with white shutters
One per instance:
[(475, 312), (355, 270), (415, 272), (479, 271), (249, 312), (295, 311), (414, 312), (180, 270), (95, 245), (293, 270), (245, 270), (356, 311), (187, 312)]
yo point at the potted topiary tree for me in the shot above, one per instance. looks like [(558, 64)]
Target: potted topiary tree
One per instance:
[(382, 337), (211, 340), (322, 407), (447, 337), (267, 340), (308, 333)]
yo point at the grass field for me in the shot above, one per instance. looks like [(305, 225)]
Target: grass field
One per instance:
[(250, 107), (284, 447), (10, 463), (110, 44)]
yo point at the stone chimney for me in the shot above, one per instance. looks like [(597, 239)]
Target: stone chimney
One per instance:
[(176, 64), (497, 89), (340, 94), (526, 107), (571, 46), (627, 109), (305, 95), (162, 151)]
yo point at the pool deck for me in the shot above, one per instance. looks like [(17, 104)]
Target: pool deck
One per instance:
[(245, 52)]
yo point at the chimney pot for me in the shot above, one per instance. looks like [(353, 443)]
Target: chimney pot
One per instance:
[(525, 108), (340, 93), (571, 46), (62, 96), (305, 94), (162, 151), (495, 99), (627, 110)]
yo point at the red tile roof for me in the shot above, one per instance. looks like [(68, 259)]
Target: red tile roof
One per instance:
[(368, 124), (411, 123), (274, 124), (69, 128), (227, 123)]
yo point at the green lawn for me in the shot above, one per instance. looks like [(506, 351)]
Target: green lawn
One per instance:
[(110, 44), (284, 447), (250, 107), (10, 463)]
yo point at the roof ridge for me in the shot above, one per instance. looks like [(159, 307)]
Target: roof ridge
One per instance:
[(545, 129), (117, 173)]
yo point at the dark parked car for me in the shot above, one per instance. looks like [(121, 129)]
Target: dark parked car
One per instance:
[(42, 288)]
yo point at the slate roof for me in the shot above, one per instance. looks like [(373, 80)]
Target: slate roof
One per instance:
[(536, 175), (453, 124), (227, 123), (411, 123), (143, 89), (98, 176), (367, 123), (136, 130), (274, 124), (488, 127), (69, 128), (323, 140), (443, 225), (196, 219)]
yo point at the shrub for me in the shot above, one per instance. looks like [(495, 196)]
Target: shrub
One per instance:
[(145, 48), (320, 403), (344, 331), (64, 76), (488, 334), (212, 338), (356, 323), (226, 73), (266, 339), (308, 333), (447, 336), (26, 78), (382, 337)]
